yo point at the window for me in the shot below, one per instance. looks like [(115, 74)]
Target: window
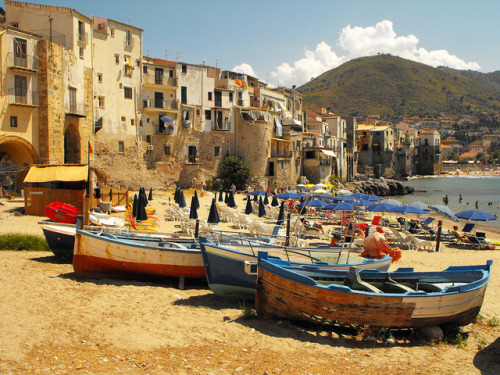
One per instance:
[(128, 66), (121, 146), (145, 69), (128, 37), (124, 118), (167, 150), (112, 32), (216, 151), (183, 94), (72, 100), (230, 96), (81, 52), (15, 24), (127, 92), (208, 114), (148, 138), (209, 96), (80, 31), (192, 154), (132, 122), (21, 89), (100, 100), (13, 121), (171, 73), (99, 77), (184, 68), (20, 53), (117, 58)]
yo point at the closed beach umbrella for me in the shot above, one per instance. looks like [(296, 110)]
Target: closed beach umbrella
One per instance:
[(266, 201), (220, 196), (255, 199), (262, 209), (274, 202), (281, 214), (193, 213), (226, 198), (443, 210), (182, 200), (141, 210), (230, 200), (213, 215), (196, 200), (248, 208), (150, 196), (476, 215), (134, 206), (176, 195)]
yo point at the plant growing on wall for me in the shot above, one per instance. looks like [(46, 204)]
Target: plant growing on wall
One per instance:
[(234, 170)]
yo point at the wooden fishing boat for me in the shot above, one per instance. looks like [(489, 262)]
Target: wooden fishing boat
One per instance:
[(400, 299), (225, 264), (61, 239), (105, 254), (62, 212)]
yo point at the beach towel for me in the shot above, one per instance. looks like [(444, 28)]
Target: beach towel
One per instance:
[(376, 246)]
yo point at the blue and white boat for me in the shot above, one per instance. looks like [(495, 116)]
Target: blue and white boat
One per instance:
[(225, 263)]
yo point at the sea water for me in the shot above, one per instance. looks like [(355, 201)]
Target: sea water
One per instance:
[(485, 190)]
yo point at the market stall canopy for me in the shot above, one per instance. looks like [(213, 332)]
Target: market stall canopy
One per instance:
[(57, 173), (329, 153)]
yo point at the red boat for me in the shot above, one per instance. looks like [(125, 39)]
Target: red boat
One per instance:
[(62, 212)]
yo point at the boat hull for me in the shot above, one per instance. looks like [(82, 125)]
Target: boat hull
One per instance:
[(227, 277), (102, 256), (284, 295), (61, 240), (62, 212)]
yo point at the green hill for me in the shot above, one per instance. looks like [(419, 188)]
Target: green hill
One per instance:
[(392, 86)]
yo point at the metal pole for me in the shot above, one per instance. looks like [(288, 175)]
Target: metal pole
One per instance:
[(438, 237), (287, 240)]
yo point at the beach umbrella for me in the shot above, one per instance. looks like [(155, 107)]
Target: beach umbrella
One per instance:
[(266, 200), (320, 191), (182, 200), (340, 206), (144, 196), (193, 213), (176, 195), (364, 203), (141, 210), (262, 209), (394, 202), (289, 196), (220, 196), (196, 200), (274, 201), (369, 197), (248, 208), (381, 207), (476, 215), (421, 205), (213, 215), (281, 214), (319, 186), (313, 203), (407, 209), (301, 187), (134, 206), (344, 192), (226, 197), (230, 200), (150, 196), (443, 210)]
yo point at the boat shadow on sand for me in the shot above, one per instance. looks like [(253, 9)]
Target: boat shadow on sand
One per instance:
[(487, 360), (52, 259)]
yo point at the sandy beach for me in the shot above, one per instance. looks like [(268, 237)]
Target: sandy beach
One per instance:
[(54, 322)]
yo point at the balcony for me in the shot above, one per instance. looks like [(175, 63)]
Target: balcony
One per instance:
[(26, 63), (152, 105), (221, 126), (193, 159), (151, 79), (22, 99), (76, 109), (128, 44), (83, 38)]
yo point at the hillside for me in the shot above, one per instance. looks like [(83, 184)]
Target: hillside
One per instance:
[(392, 86), (489, 79)]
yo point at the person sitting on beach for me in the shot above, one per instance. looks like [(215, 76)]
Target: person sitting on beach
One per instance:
[(352, 231)]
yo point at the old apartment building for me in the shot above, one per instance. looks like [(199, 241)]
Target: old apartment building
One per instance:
[(70, 81)]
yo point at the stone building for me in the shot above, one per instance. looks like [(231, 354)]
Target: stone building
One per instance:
[(429, 158)]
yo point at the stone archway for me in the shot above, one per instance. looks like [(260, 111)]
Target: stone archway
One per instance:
[(15, 154), (72, 145)]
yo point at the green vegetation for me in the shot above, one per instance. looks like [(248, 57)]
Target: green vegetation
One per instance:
[(16, 241), (461, 342), (247, 312), (234, 170), (213, 184), (391, 86), (494, 322)]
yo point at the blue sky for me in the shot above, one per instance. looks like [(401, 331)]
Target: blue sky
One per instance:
[(286, 42)]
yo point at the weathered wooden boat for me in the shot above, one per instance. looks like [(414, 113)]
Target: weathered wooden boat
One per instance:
[(225, 263), (400, 299), (61, 239), (62, 212), (104, 254)]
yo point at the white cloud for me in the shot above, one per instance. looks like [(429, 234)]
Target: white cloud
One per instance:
[(245, 69), (358, 42)]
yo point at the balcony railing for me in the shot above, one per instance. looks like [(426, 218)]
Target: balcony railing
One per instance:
[(76, 109), (28, 99), (193, 159), (164, 104), (150, 79), (26, 62), (128, 43), (224, 126), (83, 38)]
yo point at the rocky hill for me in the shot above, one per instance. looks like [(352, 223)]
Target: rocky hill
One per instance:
[(392, 86)]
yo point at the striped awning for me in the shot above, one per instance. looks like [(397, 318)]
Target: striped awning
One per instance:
[(57, 173)]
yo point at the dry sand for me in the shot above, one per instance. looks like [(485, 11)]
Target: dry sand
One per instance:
[(55, 322)]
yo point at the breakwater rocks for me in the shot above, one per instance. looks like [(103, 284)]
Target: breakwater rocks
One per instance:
[(382, 187)]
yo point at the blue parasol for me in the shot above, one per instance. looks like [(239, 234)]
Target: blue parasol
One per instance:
[(445, 211), (476, 215), (288, 196), (340, 206), (394, 202), (409, 210), (381, 207)]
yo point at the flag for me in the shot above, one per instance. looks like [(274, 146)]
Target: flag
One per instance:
[(90, 148)]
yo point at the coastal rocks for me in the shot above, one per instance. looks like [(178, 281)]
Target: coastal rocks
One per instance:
[(383, 187)]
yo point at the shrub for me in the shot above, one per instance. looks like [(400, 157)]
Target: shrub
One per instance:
[(17, 241), (213, 184), (234, 170)]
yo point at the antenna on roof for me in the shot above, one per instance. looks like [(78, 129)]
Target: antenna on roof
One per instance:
[(166, 54), (217, 62), (148, 51), (178, 55), (130, 21)]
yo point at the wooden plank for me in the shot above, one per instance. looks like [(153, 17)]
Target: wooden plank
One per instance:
[(36, 199)]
